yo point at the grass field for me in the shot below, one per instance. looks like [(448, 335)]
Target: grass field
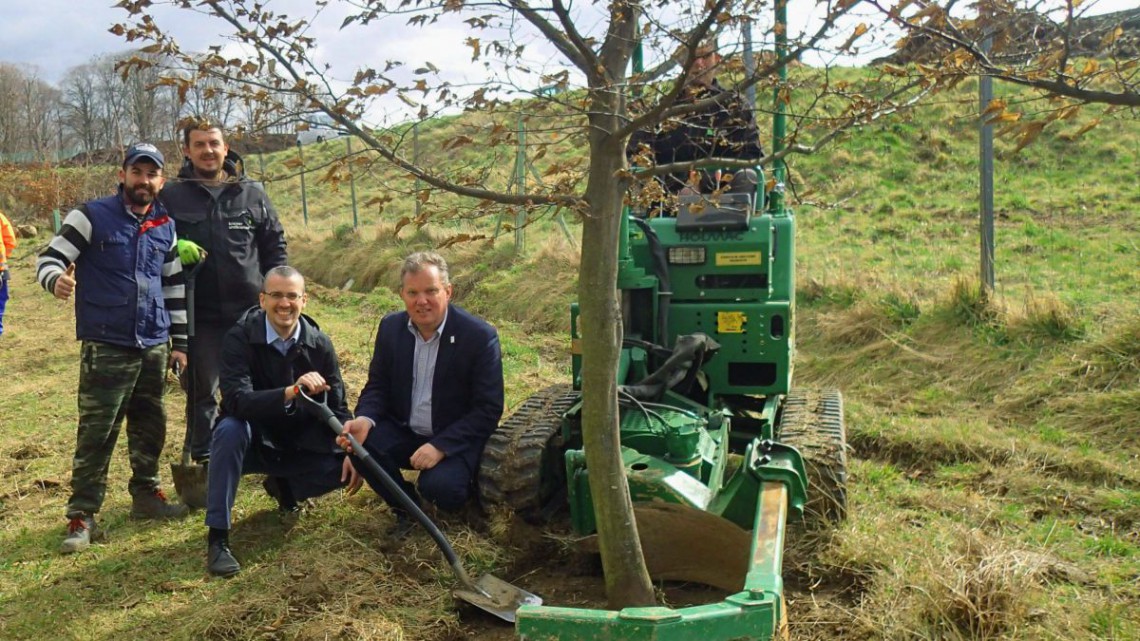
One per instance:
[(995, 491)]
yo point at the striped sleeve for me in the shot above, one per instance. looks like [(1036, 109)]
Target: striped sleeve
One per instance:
[(174, 291), (71, 241)]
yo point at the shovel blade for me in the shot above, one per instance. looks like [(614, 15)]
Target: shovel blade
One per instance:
[(497, 597), (190, 484)]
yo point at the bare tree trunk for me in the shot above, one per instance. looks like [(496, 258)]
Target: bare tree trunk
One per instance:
[(627, 579)]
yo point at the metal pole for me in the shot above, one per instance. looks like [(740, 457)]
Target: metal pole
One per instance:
[(416, 162), (261, 164), (986, 171), (779, 120), (304, 201), (351, 181), (749, 64), (520, 187), (566, 230)]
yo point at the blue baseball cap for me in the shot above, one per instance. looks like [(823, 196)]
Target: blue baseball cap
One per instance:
[(141, 151)]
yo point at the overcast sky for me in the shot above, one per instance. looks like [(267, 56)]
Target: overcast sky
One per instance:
[(52, 36), (55, 35)]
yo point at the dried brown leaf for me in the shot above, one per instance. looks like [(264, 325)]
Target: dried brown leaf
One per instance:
[(1030, 132), (996, 106)]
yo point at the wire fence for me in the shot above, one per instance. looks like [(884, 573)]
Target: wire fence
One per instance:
[(321, 201)]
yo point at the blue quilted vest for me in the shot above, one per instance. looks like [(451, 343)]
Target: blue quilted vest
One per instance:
[(118, 292)]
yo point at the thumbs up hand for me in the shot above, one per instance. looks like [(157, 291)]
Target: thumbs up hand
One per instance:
[(65, 284)]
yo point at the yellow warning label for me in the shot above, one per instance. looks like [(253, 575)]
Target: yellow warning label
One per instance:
[(729, 259), (730, 322)]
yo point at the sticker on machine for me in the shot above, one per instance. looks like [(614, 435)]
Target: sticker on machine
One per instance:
[(732, 259), (730, 322)]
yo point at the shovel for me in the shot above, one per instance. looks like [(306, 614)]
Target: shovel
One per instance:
[(489, 593), (190, 480)]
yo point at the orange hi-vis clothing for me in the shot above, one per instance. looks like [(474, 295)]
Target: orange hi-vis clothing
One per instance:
[(7, 240)]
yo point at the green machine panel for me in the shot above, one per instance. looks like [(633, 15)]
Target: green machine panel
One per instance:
[(754, 356), (735, 285)]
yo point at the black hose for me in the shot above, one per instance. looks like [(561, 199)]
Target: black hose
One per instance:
[(664, 284)]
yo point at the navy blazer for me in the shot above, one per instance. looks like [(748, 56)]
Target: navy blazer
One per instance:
[(467, 389)]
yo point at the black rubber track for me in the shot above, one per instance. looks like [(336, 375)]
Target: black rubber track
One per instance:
[(812, 422), (522, 465)]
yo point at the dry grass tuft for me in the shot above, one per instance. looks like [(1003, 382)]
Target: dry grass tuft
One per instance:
[(975, 586), (1047, 317), (835, 289), (861, 324), (981, 590), (1113, 362), (866, 319), (970, 303)]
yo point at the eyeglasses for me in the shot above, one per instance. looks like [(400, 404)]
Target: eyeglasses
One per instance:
[(289, 296)]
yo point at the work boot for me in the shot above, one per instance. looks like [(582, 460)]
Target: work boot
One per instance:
[(403, 526), (154, 505), (220, 561), (278, 488), (80, 532)]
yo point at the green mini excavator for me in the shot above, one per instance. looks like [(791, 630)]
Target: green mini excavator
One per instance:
[(719, 449)]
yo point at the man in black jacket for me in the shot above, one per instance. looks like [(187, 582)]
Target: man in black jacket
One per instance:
[(724, 128), (217, 208), (267, 358)]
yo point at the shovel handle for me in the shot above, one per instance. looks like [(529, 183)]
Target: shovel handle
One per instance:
[(186, 381), (322, 411), (191, 280)]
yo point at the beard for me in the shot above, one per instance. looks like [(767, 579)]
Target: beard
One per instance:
[(141, 196)]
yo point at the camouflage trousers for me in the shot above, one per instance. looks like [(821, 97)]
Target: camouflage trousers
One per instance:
[(116, 383)]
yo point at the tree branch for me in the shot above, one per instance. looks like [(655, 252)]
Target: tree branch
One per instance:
[(564, 44), (375, 144)]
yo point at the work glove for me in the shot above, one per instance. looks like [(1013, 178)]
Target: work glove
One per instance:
[(189, 252)]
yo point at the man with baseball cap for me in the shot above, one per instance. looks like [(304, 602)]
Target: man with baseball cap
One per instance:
[(118, 255)]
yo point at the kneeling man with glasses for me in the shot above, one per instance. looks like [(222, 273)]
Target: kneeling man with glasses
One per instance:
[(271, 354)]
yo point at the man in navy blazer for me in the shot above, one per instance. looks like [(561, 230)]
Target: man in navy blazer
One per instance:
[(434, 392)]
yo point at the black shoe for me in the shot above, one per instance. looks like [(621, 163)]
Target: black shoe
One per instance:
[(402, 528), (278, 488), (220, 561)]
